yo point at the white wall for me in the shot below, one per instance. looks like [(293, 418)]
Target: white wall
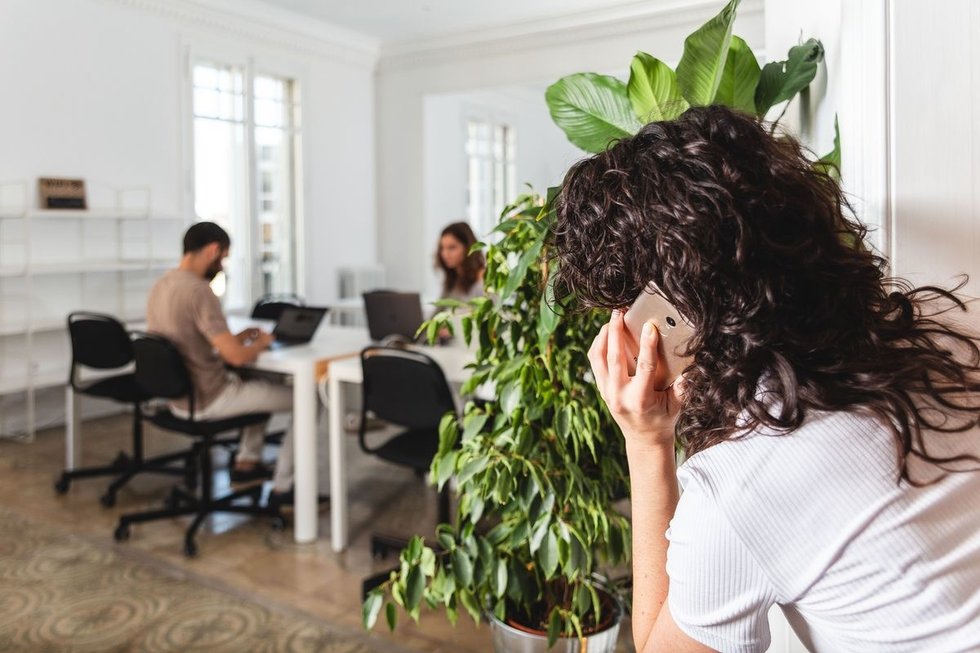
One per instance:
[(902, 75), (95, 88), (543, 154), (935, 140), (540, 53)]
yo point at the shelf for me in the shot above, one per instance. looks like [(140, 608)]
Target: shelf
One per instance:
[(41, 380), (85, 214), (82, 267), (57, 325)]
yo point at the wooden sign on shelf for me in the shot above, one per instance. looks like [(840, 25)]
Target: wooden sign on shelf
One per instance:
[(58, 193)]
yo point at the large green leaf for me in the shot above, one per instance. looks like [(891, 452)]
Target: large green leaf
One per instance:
[(705, 53), (653, 90), (738, 82), (593, 110), (781, 80), (830, 162)]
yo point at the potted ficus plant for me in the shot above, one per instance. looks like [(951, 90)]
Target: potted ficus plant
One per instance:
[(540, 469)]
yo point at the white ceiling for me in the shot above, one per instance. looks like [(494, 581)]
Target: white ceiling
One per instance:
[(393, 21)]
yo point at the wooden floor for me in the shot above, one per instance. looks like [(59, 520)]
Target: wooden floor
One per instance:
[(243, 554)]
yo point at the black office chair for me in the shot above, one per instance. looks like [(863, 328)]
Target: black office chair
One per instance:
[(407, 389), (270, 307), (100, 342), (161, 373)]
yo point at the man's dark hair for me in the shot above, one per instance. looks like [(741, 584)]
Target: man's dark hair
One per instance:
[(202, 234), (756, 247)]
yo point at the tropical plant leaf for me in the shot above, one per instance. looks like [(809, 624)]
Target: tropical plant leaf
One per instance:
[(702, 65), (738, 82), (593, 110), (391, 615), (554, 627), (830, 162), (653, 90), (781, 80), (415, 586), (371, 608)]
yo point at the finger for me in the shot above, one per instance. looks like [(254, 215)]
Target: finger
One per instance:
[(647, 359), (677, 390), (616, 349), (597, 356)]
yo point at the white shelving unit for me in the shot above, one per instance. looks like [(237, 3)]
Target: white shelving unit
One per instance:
[(55, 261)]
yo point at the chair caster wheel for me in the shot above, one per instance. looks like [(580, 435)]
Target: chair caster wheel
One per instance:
[(62, 484), (278, 523), (190, 549), (121, 534), (108, 499)]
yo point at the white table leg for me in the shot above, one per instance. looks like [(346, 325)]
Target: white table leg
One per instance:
[(338, 473), (305, 456), (73, 429)]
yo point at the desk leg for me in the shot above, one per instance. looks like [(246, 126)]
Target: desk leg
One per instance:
[(338, 473), (73, 429), (305, 456)]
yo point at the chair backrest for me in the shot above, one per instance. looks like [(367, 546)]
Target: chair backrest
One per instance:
[(404, 387), (160, 369), (98, 341), (270, 307)]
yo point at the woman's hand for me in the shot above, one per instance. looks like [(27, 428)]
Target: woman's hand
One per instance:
[(645, 415)]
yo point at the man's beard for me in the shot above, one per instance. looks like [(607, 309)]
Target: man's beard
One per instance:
[(212, 272)]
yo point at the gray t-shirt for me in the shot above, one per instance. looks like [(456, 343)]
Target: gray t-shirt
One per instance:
[(183, 308)]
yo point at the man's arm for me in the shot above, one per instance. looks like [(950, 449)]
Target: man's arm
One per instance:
[(235, 352)]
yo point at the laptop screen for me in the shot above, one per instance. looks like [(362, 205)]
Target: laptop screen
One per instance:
[(298, 323), (392, 313)]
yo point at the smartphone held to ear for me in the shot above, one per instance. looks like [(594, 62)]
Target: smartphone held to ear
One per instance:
[(675, 333)]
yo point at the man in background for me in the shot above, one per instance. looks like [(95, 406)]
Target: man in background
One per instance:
[(183, 308)]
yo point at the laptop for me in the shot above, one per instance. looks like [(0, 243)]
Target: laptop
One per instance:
[(393, 314), (296, 326)]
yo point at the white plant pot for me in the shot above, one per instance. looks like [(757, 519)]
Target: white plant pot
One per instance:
[(507, 639)]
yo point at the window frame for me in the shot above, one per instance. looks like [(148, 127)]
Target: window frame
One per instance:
[(494, 119), (252, 64)]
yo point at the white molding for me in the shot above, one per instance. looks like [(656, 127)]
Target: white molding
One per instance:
[(576, 29), (270, 25), (865, 115)]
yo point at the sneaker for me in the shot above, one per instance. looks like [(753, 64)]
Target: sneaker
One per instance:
[(257, 472)]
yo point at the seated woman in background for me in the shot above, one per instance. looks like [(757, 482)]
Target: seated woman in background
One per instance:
[(462, 271)]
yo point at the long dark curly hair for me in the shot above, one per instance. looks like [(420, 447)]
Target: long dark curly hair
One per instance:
[(755, 246)]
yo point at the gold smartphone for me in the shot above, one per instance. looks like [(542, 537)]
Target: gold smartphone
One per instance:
[(675, 333)]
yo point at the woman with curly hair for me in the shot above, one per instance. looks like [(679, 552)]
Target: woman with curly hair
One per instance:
[(830, 417)]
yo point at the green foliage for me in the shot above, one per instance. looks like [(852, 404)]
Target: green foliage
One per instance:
[(652, 89), (705, 55), (781, 80), (594, 110), (537, 469), (716, 68)]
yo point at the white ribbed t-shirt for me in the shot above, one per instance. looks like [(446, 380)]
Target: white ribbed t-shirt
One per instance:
[(815, 522)]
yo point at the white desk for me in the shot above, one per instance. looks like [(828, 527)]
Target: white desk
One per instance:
[(330, 344), (452, 360)]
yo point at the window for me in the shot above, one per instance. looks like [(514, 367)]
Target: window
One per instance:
[(245, 170), (491, 173)]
